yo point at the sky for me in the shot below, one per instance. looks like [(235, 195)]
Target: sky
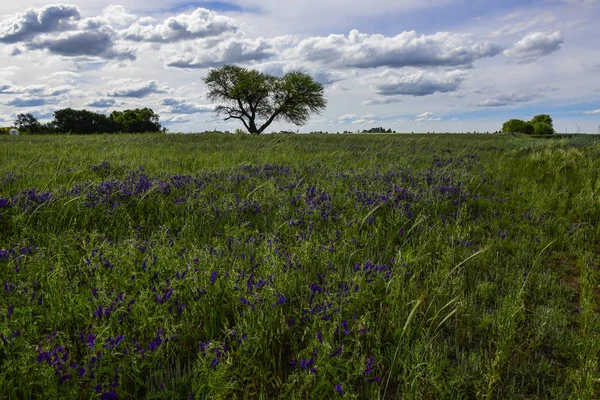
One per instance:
[(406, 65)]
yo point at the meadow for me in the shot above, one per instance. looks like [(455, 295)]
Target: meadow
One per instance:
[(299, 266)]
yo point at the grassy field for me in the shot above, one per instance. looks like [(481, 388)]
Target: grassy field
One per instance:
[(299, 266)]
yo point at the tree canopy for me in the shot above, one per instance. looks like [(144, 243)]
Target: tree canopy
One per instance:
[(540, 125), (69, 120), (257, 99)]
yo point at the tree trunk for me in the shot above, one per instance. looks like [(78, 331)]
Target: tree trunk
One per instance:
[(252, 127)]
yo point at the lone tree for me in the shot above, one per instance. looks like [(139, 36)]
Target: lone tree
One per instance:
[(258, 99)]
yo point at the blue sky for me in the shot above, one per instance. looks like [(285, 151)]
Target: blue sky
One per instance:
[(412, 66)]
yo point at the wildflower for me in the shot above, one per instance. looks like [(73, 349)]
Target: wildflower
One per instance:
[(213, 277), (91, 340), (369, 367), (112, 395), (339, 389), (280, 299), (337, 352), (320, 337)]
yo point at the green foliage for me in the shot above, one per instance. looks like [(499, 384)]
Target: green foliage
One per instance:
[(68, 120), (82, 122), (211, 266), (517, 126), (540, 125), (28, 123), (258, 99), (136, 121), (378, 129)]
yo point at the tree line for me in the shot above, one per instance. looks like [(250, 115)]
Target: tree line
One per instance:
[(68, 120), (540, 125)]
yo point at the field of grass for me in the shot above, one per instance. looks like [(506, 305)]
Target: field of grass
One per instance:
[(299, 266)]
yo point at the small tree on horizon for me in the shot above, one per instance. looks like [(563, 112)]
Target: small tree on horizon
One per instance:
[(258, 99), (28, 123)]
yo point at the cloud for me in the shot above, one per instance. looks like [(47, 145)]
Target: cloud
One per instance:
[(535, 45), (115, 16), (416, 83), (321, 75), (175, 106), (377, 101), (210, 53), (102, 103), (202, 23), (427, 116), (34, 90), (593, 112), (94, 43), (508, 99), (59, 29), (136, 88), (544, 18), (177, 119), (363, 121), (32, 22), (8, 88), (27, 102), (360, 50), (346, 117)]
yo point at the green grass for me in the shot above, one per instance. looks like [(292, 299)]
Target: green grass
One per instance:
[(280, 266)]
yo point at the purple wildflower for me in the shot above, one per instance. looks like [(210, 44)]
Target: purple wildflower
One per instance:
[(213, 277), (339, 389), (280, 299), (91, 340), (112, 395), (337, 352), (370, 365)]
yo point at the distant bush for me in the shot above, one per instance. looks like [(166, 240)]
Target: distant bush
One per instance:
[(378, 129), (517, 126), (540, 125)]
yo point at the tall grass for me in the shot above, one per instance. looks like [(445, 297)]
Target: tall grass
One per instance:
[(290, 266)]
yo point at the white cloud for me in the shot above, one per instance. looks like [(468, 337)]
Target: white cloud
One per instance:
[(176, 106), (32, 22), (414, 83), (593, 112), (346, 117), (535, 45), (202, 54), (508, 99), (361, 50), (528, 22), (135, 88), (381, 100), (201, 23)]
